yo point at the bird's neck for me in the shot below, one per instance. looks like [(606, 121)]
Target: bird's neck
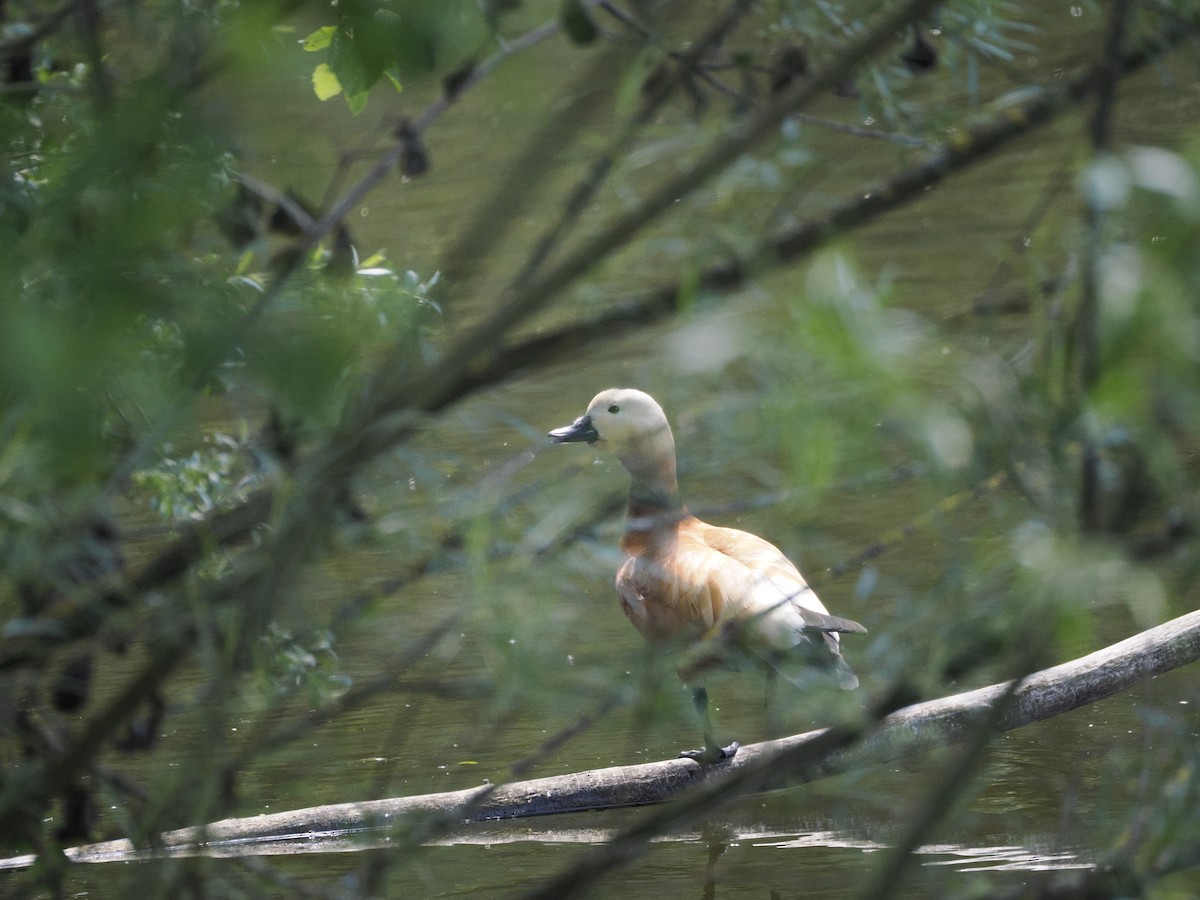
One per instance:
[(654, 503), (650, 501)]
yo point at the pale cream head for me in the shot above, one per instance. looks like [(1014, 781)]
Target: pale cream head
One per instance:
[(632, 425), (626, 416)]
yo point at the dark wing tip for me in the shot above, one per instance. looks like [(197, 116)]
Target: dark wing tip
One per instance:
[(816, 621), (849, 626)]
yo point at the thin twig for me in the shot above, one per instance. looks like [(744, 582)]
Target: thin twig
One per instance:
[(579, 198), (1084, 340), (24, 42), (89, 21), (268, 736), (441, 384)]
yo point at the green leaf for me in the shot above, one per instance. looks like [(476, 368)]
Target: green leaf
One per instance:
[(319, 39), (357, 102), (577, 22), (325, 82), (244, 262), (354, 59)]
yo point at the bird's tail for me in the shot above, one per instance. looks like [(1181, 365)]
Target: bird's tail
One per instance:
[(814, 661), (847, 680)]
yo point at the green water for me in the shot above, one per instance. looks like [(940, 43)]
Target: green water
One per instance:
[(548, 624)]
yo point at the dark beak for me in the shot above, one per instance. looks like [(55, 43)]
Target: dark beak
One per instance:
[(579, 430)]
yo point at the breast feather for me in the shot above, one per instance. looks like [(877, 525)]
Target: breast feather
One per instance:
[(663, 596)]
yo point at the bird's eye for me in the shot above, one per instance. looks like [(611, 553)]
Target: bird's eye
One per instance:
[(614, 409)]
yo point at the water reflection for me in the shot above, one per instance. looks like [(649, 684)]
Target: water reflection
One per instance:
[(720, 840)]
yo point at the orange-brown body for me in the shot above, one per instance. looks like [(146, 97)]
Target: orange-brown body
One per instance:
[(682, 579)]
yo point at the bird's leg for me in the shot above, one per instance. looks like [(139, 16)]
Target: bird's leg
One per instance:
[(712, 751)]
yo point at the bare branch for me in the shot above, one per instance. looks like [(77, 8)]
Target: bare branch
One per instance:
[(582, 194)]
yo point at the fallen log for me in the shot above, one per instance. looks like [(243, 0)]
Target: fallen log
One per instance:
[(913, 729)]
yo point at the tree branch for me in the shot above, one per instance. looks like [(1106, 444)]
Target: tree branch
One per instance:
[(912, 730)]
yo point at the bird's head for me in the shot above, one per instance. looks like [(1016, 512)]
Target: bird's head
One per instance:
[(622, 419)]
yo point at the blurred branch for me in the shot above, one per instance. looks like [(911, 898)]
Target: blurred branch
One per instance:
[(268, 735), (227, 334), (392, 414), (513, 184), (435, 387), (1030, 110), (481, 361), (1084, 341), (397, 401), (582, 194), (386, 416), (806, 757), (390, 159), (22, 43), (80, 617), (940, 800), (19, 793), (90, 24)]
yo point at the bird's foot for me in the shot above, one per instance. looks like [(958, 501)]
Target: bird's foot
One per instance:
[(707, 756)]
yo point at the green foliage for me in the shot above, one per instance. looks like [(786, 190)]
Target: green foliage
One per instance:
[(399, 41), (303, 660), (577, 22), (183, 488), (176, 337)]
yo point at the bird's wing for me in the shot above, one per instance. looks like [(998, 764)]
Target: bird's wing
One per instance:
[(770, 585)]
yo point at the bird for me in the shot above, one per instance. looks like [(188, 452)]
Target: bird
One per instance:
[(726, 594)]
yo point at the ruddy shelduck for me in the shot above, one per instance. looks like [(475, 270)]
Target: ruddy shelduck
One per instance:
[(728, 593)]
